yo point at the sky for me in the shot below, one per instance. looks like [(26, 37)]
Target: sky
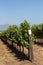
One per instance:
[(16, 11)]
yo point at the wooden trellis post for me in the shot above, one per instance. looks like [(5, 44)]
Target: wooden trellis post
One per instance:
[(30, 50)]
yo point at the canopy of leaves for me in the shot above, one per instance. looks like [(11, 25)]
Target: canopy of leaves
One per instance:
[(37, 30), (17, 34)]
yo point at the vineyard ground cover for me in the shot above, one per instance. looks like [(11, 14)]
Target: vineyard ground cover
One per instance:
[(7, 57)]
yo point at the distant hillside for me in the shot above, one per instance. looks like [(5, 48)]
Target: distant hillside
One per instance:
[(3, 27)]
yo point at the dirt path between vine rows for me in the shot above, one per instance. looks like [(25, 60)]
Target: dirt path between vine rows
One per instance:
[(7, 57)]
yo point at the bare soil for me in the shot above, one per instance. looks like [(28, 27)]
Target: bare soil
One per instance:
[(9, 57)]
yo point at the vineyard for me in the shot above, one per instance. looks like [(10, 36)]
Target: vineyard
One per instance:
[(19, 37)]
